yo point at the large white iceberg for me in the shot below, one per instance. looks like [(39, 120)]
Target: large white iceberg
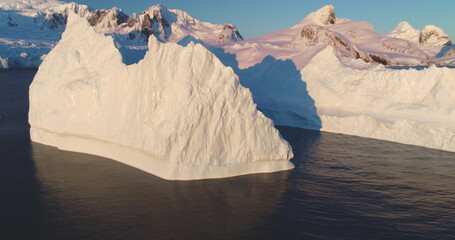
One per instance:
[(179, 113), (411, 106)]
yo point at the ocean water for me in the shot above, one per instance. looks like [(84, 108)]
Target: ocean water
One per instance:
[(416, 67), (343, 187)]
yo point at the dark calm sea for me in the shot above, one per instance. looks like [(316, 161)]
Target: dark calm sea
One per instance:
[(343, 187)]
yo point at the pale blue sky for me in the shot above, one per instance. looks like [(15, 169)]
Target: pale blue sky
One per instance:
[(257, 17)]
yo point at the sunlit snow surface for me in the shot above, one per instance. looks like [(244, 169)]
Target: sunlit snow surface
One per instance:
[(179, 113)]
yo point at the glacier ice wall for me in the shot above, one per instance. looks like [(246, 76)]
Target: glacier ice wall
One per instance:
[(179, 113), (406, 106)]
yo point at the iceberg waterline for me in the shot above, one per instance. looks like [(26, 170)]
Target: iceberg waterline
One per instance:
[(179, 113)]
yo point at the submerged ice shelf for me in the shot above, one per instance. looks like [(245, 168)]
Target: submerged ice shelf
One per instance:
[(179, 113)]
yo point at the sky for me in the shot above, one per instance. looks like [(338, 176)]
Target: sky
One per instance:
[(254, 18)]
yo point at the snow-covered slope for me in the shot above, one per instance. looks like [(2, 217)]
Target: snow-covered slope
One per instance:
[(405, 31), (29, 29), (179, 113)]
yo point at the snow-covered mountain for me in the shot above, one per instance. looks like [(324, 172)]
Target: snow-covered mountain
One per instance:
[(349, 39), (405, 31), (432, 35), (29, 29), (431, 39), (173, 25)]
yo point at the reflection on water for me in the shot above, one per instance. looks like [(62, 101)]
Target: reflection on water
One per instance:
[(343, 187), (91, 196)]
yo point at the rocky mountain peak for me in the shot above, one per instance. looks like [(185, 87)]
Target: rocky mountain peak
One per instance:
[(434, 35), (324, 16), (107, 19)]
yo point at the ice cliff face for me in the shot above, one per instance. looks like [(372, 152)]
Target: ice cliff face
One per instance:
[(33, 27), (179, 113), (406, 106)]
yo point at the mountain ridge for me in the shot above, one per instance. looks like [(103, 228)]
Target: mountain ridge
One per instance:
[(349, 39), (31, 28), (46, 19)]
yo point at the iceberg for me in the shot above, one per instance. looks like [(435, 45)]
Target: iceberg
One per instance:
[(410, 106), (178, 113)]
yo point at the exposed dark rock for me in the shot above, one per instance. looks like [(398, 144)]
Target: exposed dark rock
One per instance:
[(379, 59), (56, 21), (314, 35), (330, 19), (11, 22), (229, 32), (97, 16), (425, 35), (132, 21)]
